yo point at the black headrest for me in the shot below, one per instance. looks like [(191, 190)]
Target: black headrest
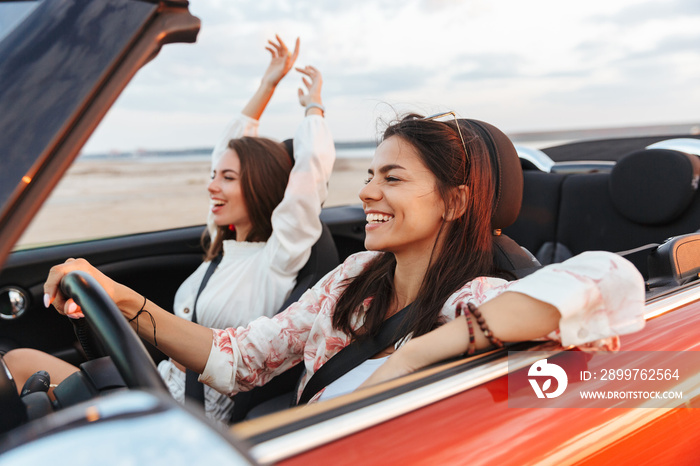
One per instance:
[(507, 171), (289, 145), (654, 186)]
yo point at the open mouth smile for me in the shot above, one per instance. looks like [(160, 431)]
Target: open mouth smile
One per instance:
[(378, 218), (216, 204)]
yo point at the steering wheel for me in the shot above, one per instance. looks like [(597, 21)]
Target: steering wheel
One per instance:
[(118, 338)]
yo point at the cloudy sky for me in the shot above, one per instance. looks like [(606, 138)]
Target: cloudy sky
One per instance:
[(521, 65)]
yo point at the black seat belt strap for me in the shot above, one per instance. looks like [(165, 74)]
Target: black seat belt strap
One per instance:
[(193, 388), (353, 355), (646, 247)]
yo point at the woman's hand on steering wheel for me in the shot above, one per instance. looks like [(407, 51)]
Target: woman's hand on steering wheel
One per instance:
[(66, 306)]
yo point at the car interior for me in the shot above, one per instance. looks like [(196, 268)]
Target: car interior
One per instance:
[(564, 212), (647, 197), (633, 204)]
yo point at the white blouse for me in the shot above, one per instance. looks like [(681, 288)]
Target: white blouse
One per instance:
[(254, 279)]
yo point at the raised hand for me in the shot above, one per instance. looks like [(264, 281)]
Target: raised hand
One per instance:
[(281, 62), (313, 86)]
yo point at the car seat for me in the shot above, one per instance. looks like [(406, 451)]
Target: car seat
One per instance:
[(649, 195), (510, 258)]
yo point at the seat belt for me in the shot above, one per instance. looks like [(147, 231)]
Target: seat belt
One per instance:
[(353, 355), (646, 247), (193, 388)]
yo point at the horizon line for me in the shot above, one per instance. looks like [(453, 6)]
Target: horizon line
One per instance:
[(680, 129)]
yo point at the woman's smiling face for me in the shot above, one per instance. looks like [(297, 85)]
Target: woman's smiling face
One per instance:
[(226, 195), (403, 205)]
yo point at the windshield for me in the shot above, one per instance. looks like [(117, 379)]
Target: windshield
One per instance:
[(12, 14)]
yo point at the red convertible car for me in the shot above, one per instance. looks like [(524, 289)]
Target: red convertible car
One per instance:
[(64, 62)]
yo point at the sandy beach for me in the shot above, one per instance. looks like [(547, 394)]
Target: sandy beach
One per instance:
[(99, 198)]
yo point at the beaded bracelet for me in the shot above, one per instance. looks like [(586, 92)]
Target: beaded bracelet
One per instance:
[(472, 339), (483, 326), (471, 349)]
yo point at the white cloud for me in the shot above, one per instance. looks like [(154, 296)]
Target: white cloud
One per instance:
[(535, 65)]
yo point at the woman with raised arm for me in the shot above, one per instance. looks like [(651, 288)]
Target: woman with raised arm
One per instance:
[(263, 221), (428, 200)]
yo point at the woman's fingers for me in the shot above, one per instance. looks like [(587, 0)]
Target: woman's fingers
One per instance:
[(52, 286), (281, 60), (312, 73), (305, 70), (295, 54), (308, 70), (313, 85), (72, 310), (279, 47)]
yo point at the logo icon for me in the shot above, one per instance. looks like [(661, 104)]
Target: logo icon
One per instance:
[(542, 368)]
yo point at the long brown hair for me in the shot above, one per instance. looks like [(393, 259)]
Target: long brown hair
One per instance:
[(265, 167), (467, 245)]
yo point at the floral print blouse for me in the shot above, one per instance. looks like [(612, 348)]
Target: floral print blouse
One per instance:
[(599, 295)]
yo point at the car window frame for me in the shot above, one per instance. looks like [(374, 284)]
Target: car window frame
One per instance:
[(36, 173)]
